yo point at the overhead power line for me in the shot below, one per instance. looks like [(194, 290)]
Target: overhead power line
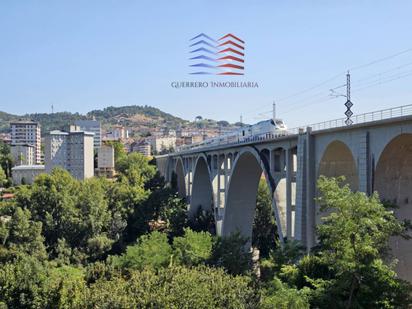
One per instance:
[(382, 79)]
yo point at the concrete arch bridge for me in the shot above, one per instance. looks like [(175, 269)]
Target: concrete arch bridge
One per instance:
[(374, 154)]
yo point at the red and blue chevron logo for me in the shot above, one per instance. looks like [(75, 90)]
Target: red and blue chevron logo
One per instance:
[(224, 56)]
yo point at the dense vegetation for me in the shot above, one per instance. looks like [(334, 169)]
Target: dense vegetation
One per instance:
[(6, 163), (129, 244)]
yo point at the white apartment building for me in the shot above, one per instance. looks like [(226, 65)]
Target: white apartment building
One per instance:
[(93, 126), (72, 151), (27, 132), (23, 154)]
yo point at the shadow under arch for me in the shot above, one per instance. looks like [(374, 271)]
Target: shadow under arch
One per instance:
[(241, 196), (393, 182), (202, 190), (180, 175), (337, 160)]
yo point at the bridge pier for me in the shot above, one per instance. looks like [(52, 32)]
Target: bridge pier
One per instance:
[(374, 155)]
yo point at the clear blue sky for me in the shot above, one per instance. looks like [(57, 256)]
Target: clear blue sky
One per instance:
[(84, 55)]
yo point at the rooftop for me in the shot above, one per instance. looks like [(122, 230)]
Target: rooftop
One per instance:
[(27, 167), (24, 122)]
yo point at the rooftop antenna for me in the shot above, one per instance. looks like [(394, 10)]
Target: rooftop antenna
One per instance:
[(274, 111)]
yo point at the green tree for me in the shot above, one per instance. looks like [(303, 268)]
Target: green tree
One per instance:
[(193, 248), (22, 282), (354, 244), (3, 177), (203, 220), (152, 251), (135, 168), (52, 201), (232, 254), (21, 235), (174, 214), (6, 160), (75, 212), (174, 287), (279, 295), (264, 235), (29, 283)]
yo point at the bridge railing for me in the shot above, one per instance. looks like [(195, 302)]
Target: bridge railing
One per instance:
[(405, 110)]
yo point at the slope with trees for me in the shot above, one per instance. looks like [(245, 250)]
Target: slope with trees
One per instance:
[(128, 244)]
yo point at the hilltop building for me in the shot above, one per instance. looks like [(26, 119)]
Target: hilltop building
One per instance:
[(118, 133), (72, 151), (27, 132), (162, 143), (143, 147), (93, 126)]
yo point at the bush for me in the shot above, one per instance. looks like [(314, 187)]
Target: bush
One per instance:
[(193, 248), (232, 254), (152, 251), (175, 287)]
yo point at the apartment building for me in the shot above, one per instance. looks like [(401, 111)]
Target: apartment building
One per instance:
[(27, 132), (105, 161), (143, 147), (162, 143), (23, 154), (72, 151)]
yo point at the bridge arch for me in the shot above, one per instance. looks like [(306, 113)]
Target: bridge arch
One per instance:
[(393, 182), (338, 160), (242, 190), (180, 175), (202, 190)]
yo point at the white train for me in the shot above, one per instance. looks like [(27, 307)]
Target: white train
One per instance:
[(266, 129)]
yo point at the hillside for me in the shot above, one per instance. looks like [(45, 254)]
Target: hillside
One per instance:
[(138, 118)]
